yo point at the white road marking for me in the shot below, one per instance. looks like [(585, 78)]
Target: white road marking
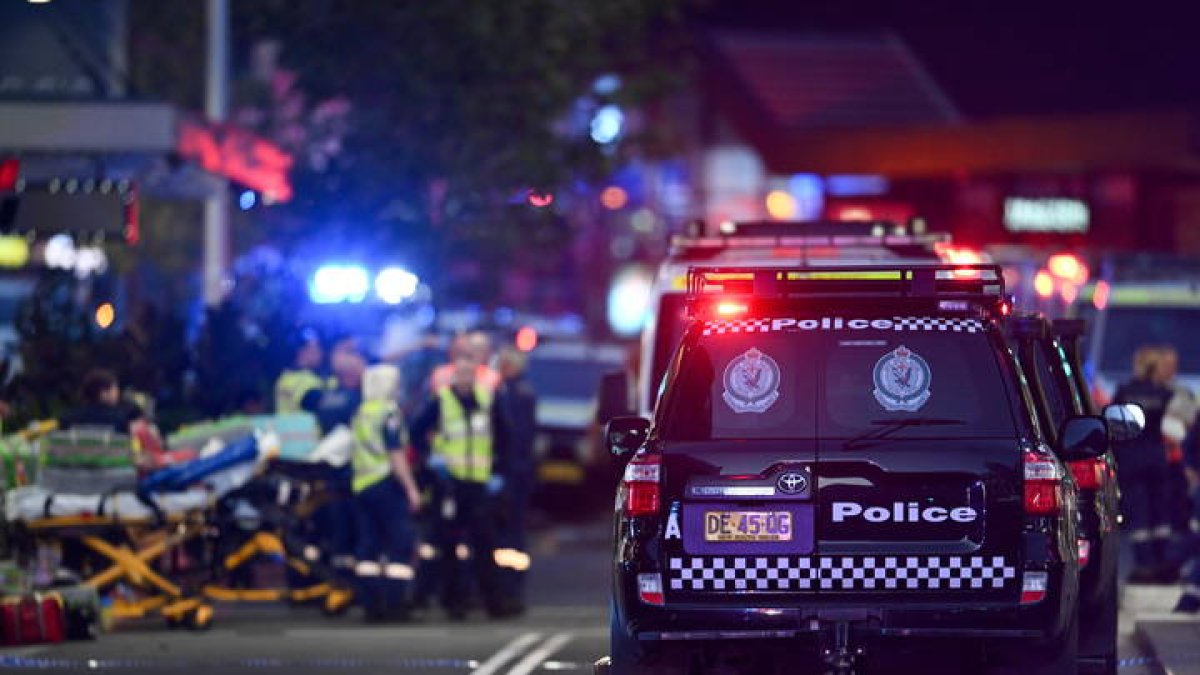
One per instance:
[(507, 653), (534, 658)]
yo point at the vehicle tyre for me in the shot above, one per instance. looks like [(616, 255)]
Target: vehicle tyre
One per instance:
[(1098, 634), (630, 656), (1059, 656)]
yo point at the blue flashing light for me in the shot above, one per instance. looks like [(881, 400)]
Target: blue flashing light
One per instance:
[(247, 200), (856, 185), (339, 283), (394, 285), (607, 124)]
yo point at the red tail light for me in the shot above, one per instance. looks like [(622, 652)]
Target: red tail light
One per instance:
[(641, 485), (1089, 474), (1043, 481)]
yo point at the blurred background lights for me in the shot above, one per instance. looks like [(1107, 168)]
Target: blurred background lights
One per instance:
[(614, 197), (394, 285), (629, 300), (781, 205), (607, 124), (247, 200), (527, 338), (540, 199), (105, 315), (60, 252), (14, 251), (339, 283)]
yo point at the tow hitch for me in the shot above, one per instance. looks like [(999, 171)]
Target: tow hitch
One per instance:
[(839, 655)]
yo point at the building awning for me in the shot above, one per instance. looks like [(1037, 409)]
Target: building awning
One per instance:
[(87, 127), (1127, 141)]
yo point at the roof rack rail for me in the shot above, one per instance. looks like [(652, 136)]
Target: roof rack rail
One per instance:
[(976, 282)]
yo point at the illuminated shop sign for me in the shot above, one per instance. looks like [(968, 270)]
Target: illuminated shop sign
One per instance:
[(1060, 215)]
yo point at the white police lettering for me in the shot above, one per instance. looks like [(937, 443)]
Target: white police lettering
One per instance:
[(902, 512), (672, 531), (895, 324)]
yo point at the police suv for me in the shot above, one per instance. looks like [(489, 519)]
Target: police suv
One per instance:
[(847, 459)]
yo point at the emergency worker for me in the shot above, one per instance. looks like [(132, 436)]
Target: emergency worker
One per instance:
[(333, 408), (102, 405), (385, 494), (462, 435), (475, 345), (518, 400), (1178, 419), (294, 383), (1143, 468)]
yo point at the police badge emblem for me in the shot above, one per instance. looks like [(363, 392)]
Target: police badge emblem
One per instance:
[(902, 380), (751, 382)]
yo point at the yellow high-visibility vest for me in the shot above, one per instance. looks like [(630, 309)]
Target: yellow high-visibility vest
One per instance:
[(464, 441), (291, 387), (370, 460)]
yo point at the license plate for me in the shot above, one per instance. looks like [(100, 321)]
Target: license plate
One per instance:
[(747, 526)]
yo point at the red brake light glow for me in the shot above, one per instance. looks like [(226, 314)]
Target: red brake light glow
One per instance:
[(641, 485), (731, 308), (1068, 267), (1089, 474), (1042, 485)]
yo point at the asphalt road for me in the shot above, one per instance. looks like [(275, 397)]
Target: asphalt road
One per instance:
[(564, 632)]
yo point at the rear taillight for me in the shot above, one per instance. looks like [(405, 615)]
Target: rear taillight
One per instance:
[(1089, 474), (1085, 552), (650, 588), (1033, 587), (1043, 481), (641, 485)]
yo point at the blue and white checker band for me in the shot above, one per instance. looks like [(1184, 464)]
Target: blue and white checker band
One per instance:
[(896, 323), (790, 574)]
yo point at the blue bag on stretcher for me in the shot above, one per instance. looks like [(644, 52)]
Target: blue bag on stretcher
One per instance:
[(182, 476)]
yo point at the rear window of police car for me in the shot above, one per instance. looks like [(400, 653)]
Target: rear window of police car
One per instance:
[(839, 377)]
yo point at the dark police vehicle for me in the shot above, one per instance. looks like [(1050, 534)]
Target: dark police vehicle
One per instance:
[(1049, 355), (847, 459)]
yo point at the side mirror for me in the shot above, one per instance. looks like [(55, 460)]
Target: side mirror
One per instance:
[(1125, 421), (1083, 438), (626, 434), (612, 399)]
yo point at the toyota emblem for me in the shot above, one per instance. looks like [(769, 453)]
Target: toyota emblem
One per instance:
[(792, 483)]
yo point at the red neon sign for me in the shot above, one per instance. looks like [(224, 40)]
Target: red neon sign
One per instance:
[(239, 156)]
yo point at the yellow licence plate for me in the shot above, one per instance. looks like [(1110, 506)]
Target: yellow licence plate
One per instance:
[(747, 526)]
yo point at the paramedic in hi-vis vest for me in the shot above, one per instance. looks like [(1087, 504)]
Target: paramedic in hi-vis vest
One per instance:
[(302, 377), (462, 434), (385, 497)]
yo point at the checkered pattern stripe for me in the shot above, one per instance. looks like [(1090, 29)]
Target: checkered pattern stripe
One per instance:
[(943, 324), (838, 573), (737, 326)]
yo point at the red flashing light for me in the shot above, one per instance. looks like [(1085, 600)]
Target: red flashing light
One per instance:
[(10, 170), (958, 255), (1005, 309), (540, 199), (731, 308)]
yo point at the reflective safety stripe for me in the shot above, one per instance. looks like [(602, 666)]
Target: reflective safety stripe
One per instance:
[(426, 551), (291, 387), (462, 552), (343, 561), (312, 552), (398, 571), (368, 568), (1162, 532), (511, 558)]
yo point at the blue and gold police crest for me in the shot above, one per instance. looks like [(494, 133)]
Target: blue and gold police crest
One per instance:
[(751, 382), (902, 380)]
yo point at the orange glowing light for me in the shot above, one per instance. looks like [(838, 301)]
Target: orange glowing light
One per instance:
[(1069, 292), (781, 205), (1068, 267), (527, 338), (614, 197), (1043, 284), (1100, 295), (105, 315)]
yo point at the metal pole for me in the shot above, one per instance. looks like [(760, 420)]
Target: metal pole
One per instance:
[(216, 106)]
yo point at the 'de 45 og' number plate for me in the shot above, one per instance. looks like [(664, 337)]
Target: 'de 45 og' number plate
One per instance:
[(747, 526)]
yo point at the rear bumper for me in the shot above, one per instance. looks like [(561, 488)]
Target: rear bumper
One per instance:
[(878, 615)]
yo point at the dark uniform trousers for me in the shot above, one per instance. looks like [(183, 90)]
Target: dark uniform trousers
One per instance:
[(464, 539), (385, 547)]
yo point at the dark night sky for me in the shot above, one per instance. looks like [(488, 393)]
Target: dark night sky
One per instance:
[(1009, 58)]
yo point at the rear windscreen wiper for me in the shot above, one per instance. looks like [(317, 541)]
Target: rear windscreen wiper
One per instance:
[(887, 427)]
